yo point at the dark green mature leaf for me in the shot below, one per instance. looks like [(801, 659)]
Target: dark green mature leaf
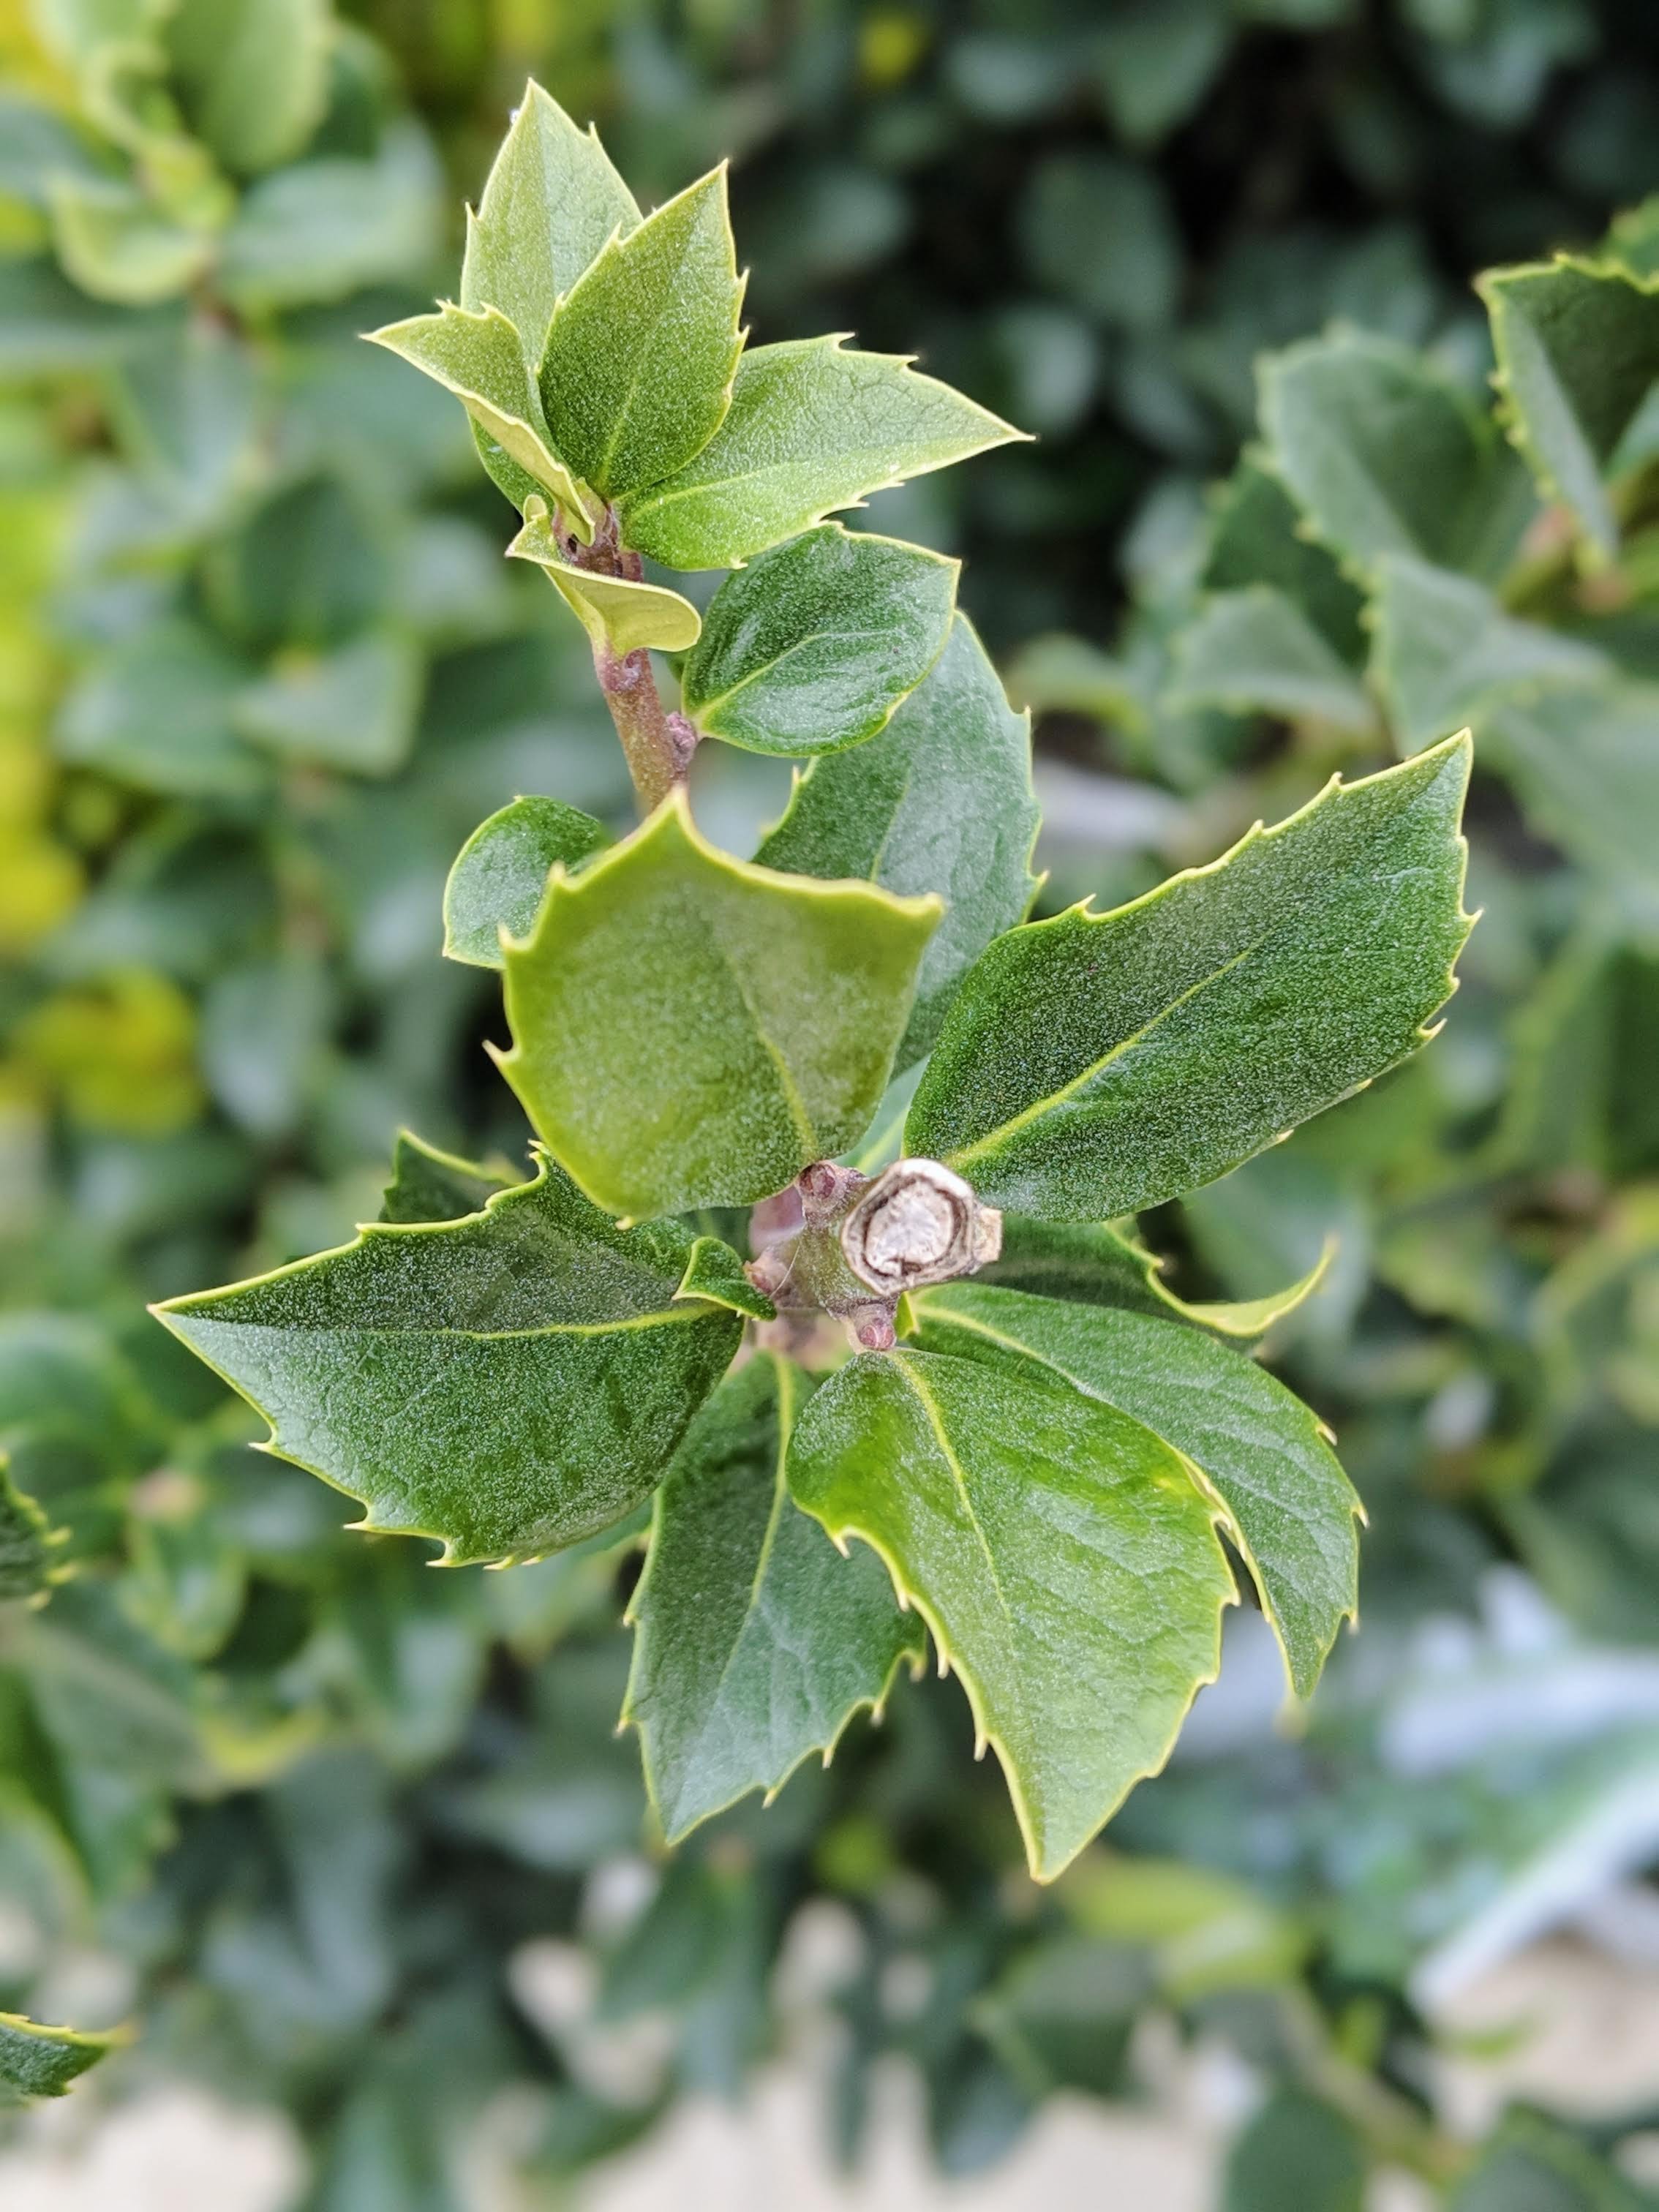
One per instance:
[(428, 1185), (507, 1383), (1094, 1064), (1583, 757), (1385, 455), (1577, 345), (501, 873), (813, 426), (1093, 1264), (755, 1643), (941, 800), (552, 202), (1297, 2150), (43, 2062), (1442, 641), (637, 370), (1256, 538), (27, 1542), (1254, 650), (812, 646), (1289, 1507), (1061, 1555), (690, 1030)]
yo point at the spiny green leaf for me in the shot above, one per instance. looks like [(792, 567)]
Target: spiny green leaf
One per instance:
[(27, 1542), (1442, 642), (1060, 1554), (690, 1030), (507, 1383), (477, 356), (552, 202), (1577, 346), (715, 1272), (1094, 1264), (42, 2062), (811, 647), (1385, 455), (755, 1643), (1095, 1065), (637, 373), (941, 800), (428, 1185), (813, 426), (615, 611), (501, 873), (1253, 650), (1289, 1507)]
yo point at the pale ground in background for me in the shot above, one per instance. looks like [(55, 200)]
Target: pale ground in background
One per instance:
[(1593, 2045)]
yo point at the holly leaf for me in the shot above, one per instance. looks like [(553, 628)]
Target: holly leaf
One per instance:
[(254, 79), (506, 1384), (501, 873), (941, 800), (615, 611), (1094, 1264), (690, 1030), (637, 371), (1256, 537), (1254, 651), (1095, 1065), (1060, 1554), (43, 2062), (428, 1185), (755, 1643), (1582, 756), (714, 1272), (812, 646), (1442, 642), (28, 1543), (1385, 455), (551, 200), (478, 355), (353, 708), (813, 426), (1258, 1451), (1577, 346)]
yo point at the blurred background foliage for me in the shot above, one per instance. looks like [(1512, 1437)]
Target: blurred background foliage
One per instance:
[(356, 1839)]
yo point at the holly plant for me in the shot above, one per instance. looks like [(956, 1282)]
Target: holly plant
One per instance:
[(946, 1399)]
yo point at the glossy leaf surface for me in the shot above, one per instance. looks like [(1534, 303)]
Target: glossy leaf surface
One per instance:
[(1094, 1264), (501, 873), (755, 1642), (1092, 1065), (690, 1030)]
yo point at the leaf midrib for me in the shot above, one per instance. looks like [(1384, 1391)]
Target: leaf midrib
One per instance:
[(719, 699)]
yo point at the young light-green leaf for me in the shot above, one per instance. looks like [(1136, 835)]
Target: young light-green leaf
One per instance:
[(1095, 1065), (1385, 455), (552, 202), (507, 1384), (1060, 1554), (1093, 1264), (428, 1185), (690, 1030), (811, 647), (1290, 1508), (1252, 651), (813, 426), (941, 800), (501, 873), (637, 371), (27, 1542), (43, 2062), (476, 356), (755, 1643), (617, 611), (1577, 346)]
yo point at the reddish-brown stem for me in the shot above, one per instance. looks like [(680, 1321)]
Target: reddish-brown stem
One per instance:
[(656, 744)]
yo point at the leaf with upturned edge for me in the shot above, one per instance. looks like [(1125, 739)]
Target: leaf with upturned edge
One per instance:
[(551, 200), (500, 874), (940, 800), (1095, 1065), (506, 1384), (813, 426), (637, 370), (477, 356), (690, 1030), (755, 1643), (428, 1185), (1258, 1451), (27, 1541), (1093, 1264), (1060, 1554), (615, 610), (1577, 346), (811, 647), (43, 2062)]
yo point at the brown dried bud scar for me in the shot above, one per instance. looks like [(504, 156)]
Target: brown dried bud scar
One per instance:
[(918, 1223)]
